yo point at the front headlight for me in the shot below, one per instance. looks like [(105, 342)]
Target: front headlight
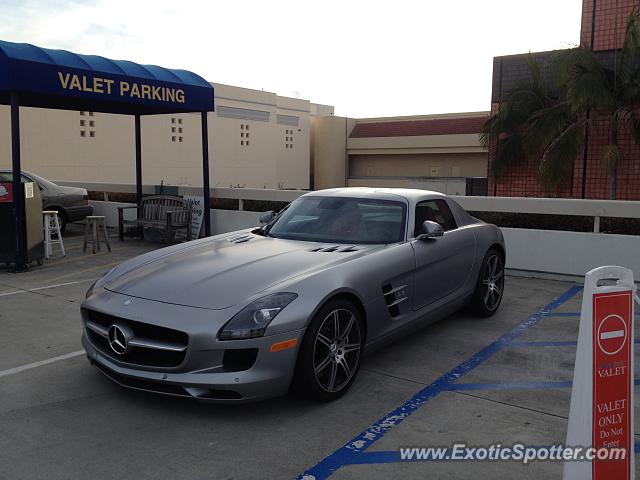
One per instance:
[(252, 321), (99, 282)]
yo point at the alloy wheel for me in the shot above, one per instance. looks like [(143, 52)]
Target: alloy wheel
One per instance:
[(493, 282), (336, 351)]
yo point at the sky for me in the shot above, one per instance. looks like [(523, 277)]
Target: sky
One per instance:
[(367, 58)]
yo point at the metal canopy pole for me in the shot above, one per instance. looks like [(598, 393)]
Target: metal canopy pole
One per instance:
[(138, 161), (205, 175), (18, 197)]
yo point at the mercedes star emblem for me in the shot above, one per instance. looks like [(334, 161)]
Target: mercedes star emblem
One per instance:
[(117, 340)]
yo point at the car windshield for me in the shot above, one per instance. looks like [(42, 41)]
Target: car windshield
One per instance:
[(341, 220)]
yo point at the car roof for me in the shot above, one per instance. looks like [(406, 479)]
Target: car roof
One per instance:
[(409, 194), (38, 178)]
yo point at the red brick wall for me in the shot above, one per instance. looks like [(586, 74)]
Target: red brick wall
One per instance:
[(590, 177), (610, 21), (521, 180)]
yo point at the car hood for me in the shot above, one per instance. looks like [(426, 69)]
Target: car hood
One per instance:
[(219, 273)]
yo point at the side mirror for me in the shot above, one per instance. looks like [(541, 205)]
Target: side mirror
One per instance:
[(430, 230), (266, 217)]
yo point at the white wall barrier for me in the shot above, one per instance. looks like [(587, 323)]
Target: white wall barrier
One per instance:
[(569, 253)]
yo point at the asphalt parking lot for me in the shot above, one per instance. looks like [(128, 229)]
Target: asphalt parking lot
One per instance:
[(505, 379)]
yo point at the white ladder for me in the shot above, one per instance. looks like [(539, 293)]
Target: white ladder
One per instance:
[(52, 226)]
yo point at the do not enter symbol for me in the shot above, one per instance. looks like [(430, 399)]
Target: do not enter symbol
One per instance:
[(612, 334)]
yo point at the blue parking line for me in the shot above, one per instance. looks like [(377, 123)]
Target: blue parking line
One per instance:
[(542, 344), (459, 387), (393, 456), (551, 344), (348, 453)]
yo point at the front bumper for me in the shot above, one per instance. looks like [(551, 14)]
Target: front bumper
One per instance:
[(204, 374)]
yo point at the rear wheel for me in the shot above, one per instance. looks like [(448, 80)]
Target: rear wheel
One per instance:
[(490, 286), (330, 353)]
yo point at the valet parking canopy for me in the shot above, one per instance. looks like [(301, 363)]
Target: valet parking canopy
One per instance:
[(38, 77)]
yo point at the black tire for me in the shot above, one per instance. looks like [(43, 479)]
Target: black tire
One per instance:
[(490, 285), (63, 222), (62, 219), (329, 361)]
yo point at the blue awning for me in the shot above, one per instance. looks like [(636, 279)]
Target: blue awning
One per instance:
[(66, 80)]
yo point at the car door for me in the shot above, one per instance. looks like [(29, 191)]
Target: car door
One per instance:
[(442, 264)]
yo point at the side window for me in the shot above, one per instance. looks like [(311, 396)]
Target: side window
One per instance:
[(435, 211), (8, 177)]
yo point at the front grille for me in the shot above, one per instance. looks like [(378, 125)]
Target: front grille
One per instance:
[(139, 355)]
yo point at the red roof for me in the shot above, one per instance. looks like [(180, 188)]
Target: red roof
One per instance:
[(411, 128)]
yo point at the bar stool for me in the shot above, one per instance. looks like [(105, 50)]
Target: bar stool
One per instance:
[(51, 224), (95, 223)]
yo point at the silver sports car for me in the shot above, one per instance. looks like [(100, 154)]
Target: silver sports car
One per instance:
[(248, 315)]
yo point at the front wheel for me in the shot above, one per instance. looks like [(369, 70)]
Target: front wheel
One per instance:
[(330, 353), (490, 285)]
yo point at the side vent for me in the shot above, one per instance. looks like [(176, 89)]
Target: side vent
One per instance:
[(393, 296)]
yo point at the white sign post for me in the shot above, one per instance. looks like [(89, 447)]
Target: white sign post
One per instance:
[(602, 397), (197, 214)]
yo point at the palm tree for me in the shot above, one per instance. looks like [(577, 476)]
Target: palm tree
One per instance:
[(531, 123)]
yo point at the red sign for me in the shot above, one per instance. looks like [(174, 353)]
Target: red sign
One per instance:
[(612, 377), (6, 193)]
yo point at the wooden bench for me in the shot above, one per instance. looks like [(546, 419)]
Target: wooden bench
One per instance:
[(160, 212)]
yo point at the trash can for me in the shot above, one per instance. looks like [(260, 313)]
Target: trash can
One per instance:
[(33, 247)]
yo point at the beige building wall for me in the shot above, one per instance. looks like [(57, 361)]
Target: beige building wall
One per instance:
[(339, 160), (51, 144), (418, 165), (329, 151), (256, 140)]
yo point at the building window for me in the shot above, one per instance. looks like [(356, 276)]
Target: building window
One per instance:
[(83, 133), (91, 114), (244, 134), (173, 129), (173, 139), (92, 123), (180, 130), (288, 139), (92, 133), (82, 114), (180, 139), (180, 121), (82, 123), (173, 120)]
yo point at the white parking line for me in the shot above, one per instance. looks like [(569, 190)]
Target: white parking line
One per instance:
[(27, 290), (29, 366)]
